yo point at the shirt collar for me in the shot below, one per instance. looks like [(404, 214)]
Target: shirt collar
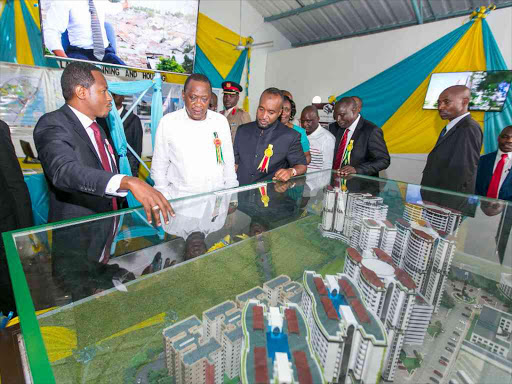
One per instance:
[(353, 126), (120, 110), (500, 153), (452, 123), (271, 127), (316, 131), (84, 120), (229, 111)]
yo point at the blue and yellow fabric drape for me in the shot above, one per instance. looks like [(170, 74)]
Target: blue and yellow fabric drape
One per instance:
[(215, 59), (394, 98), (21, 43), (20, 33)]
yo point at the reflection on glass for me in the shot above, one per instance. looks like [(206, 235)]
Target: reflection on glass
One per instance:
[(321, 278)]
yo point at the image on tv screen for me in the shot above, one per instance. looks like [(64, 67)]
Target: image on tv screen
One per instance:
[(147, 34), (488, 89)]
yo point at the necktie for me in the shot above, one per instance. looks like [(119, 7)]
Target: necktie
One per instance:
[(443, 132), (97, 37), (103, 154), (341, 150), (496, 178)]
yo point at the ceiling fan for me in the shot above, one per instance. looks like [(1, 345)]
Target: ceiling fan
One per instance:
[(249, 44)]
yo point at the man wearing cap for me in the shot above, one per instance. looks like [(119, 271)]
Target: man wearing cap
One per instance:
[(236, 116)]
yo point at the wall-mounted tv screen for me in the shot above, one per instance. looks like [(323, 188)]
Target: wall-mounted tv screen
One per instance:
[(148, 34), (488, 88)]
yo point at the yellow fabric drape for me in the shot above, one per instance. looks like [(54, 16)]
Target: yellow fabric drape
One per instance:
[(33, 9), (412, 129), (23, 50), (222, 55)]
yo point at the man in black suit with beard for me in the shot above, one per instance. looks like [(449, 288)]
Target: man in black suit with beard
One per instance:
[(83, 179), (369, 154)]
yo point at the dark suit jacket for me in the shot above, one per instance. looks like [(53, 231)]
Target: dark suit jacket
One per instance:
[(76, 182), (452, 165), (453, 162), (133, 132), (370, 154), (251, 143), (15, 206), (15, 209), (484, 176), (76, 179)]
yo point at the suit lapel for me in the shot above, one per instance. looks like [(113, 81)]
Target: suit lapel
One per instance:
[(451, 131), (80, 130), (357, 131)]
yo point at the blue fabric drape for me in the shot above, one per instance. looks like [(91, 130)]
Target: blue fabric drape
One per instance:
[(7, 35), (384, 93), (204, 66), (139, 226), (39, 197), (494, 121), (116, 125)]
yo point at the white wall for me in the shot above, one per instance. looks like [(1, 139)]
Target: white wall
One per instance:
[(335, 67), (227, 13)]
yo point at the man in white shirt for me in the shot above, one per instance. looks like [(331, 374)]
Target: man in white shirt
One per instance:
[(84, 21), (321, 141), (193, 151)]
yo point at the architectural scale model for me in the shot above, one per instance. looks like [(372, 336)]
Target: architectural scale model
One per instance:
[(203, 352), (277, 346), (390, 293), (493, 331), (350, 340), (506, 285), (422, 243)]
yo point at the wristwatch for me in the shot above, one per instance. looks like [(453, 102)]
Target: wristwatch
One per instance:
[(294, 172)]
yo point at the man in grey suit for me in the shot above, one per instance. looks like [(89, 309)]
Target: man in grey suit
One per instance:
[(452, 164)]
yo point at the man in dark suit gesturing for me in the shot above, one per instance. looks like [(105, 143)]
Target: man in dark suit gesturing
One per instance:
[(78, 161), (83, 179), (453, 161), (369, 154)]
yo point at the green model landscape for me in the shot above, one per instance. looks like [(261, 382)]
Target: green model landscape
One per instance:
[(188, 289)]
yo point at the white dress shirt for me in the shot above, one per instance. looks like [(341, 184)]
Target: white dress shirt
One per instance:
[(226, 113), (321, 148), (205, 214), (506, 168), (184, 158), (351, 131), (75, 17), (452, 123), (114, 183)]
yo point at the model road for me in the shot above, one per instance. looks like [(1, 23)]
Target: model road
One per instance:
[(433, 349)]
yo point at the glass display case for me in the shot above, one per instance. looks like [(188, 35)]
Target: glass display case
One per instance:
[(321, 279)]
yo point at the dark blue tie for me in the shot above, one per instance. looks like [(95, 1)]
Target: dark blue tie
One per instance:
[(443, 132)]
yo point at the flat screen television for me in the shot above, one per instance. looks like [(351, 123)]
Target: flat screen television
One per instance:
[(489, 89), (147, 34)]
